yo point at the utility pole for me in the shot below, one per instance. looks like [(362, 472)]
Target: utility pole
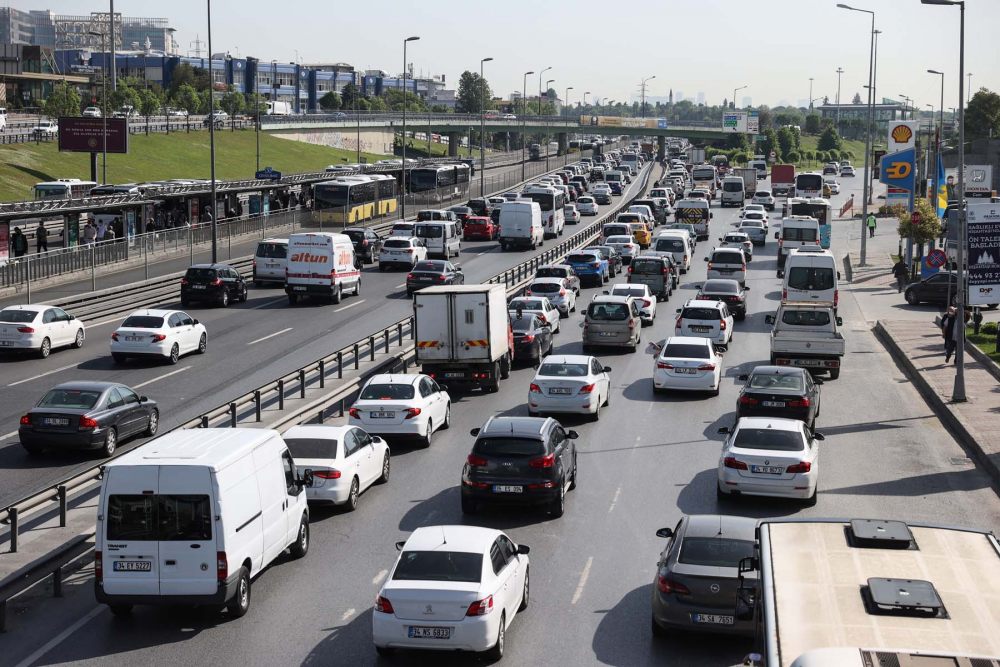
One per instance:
[(114, 64), (810, 93), (840, 71), (482, 128), (403, 169), (211, 140)]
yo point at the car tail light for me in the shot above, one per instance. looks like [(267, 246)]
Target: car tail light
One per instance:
[(722, 324), (382, 605), (221, 565), (730, 462), (26, 329), (327, 474), (364, 242), (409, 276), (678, 325), (664, 365), (87, 422), (185, 282), (527, 292), (114, 336), (562, 292), (746, 400), (534, 388), (411, 413), (799, 403), (442, 277), (355, 413), (159, 337), (836, 297), (833, 364), (481, 607), (709, 265), (216, 282), (99, 566), (784, 294), (645, 303), (586, 389), (542, 318), (25, 420), (543, 462), (631, 325), (706, 367), (744, 266), (670, 586), (476, 461), (528, 338), (802, 466)]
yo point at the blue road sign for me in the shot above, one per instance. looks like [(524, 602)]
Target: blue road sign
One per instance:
[(268, 174)]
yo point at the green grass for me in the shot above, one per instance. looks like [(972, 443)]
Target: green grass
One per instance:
[(810, 143), (985, 342), (161, 157)]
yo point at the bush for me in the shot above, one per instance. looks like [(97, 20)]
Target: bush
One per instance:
[(847, 155), (809, 155), (794, 156), (821, 156), (989, 328), (833, 155)]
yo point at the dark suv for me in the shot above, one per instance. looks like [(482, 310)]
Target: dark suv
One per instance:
[(367, 244), (480, 207), (520, 461), (220, 283)]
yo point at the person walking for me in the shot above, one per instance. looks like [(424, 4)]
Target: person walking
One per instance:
[(871, 225), (42, 238), (949, 332), (18, 242), (901, 273)]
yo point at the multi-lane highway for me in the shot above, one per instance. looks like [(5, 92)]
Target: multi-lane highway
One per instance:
[(649, 460)]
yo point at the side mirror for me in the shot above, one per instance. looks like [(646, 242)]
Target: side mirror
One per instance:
[(819, 436), (607, 369), (705, 258), (723, 431), (523, 549), (307, 477), (535, 365), (711, 215), (840, 321), (572, 435), (400, 545), (776, 235), (72, 317), (818, 380), (838, 275), (196, 322), (143, 399), (743, 378), (665, 533), (769, 319), (744, 603), (474, 432), (678, 310)]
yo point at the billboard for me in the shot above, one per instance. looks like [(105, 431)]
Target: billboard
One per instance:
[(85, 135), (983, 232), (902, 135), (978, 181), (746, 122), (617, 121), (898, 173)]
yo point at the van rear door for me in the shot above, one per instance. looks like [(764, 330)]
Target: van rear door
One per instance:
[(130, 557), (310, 260), (186, 531)]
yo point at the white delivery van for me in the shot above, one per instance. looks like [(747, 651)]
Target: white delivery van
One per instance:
[(3, 119), (321, 264), (732, 191), (193, 516), (761, 167), (521, 225), (614, 229), (677, 244), (811, 275), (440, 238), (796, 231)]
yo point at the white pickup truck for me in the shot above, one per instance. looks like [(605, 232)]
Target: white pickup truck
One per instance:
[(807, 335)]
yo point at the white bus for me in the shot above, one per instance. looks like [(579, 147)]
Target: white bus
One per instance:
[(64, 188), (808, 185), (705, 176), (553, 203)]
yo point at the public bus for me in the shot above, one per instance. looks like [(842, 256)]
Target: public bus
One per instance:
[(808, 184), (553, 204), (438, 182), (814, 207), (64, 188), (353, 199)]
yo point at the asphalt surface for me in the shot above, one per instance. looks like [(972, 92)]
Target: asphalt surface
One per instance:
[(649, 460)]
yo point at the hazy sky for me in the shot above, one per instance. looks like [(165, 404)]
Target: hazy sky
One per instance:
[(692, 46)]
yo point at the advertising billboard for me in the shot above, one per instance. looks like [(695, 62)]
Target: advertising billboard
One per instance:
[(902, 135), (983, 231), (978, 181), (898, 173), (616, 121), (86, 135), (746, 122)]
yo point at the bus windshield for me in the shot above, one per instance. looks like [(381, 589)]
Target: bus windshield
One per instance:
[(330, 196), (53, 191), (423, 179)]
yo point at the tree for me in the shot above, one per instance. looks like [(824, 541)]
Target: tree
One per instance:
[(829, 140), (200, 81), (793, 157), (474, 94), (927, 229), (187, 98), (796, 138), (394, 99), (256, 103), (183, 75), (770, 142), (347, 95), (441, 108), (857, 98), (809, 156), (62, 101), (375, 104), (982, 117), (232, 103), (150, 102), (833, 155), (330, 101), (812, 124), (786, 141), (765, 116), (124, 95)]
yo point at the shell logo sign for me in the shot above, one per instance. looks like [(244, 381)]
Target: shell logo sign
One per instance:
[(902, 135)]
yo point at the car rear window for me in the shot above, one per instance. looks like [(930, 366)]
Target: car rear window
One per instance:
[(402, 227), (586, 200), (70, 398), (763, 193), (617, 230), (685, 351), (551, 273), (439, 566), (769, 438), (620, 239), (430, 231), (805, 318), (581, 258), (621, 290), (142, 322), (714, 551), (387, 392), (769, 381), (433, 267), (669, 245), (397, 243), (564, 370), (640, 265), (720, 287), (616, 312), (752, 223), (355, 235), (808, 278), (525, 305), (272, 250), (509, 447), (17, 316), (312, 448), (200, 274), (700, 314), (736, 239), (159, 518), (726, 258), (545, 287)]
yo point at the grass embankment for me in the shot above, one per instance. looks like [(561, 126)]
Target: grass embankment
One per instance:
[(810, 143), (161, 157), (985, 342)]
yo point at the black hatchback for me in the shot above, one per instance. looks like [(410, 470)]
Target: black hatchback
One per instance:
[(729, 291), (480, 207), (219, 283), (780, 391), (520, 461), (431, 272)]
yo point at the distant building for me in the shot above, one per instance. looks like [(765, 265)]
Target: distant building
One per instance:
[(680, 96), (747, 102), (701, 97), (671, 96), (46, 28), (801, 103)]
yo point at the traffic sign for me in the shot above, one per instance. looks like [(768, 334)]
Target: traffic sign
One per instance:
[(936, 258), (268, 175), (915, 218), (773, 154)]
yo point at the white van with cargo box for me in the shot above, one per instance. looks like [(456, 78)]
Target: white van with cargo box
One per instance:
[(521, 225), (191, 517), (811, 276), (321, 264)]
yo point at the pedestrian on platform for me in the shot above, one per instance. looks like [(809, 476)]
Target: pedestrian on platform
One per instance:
[(901, 273)]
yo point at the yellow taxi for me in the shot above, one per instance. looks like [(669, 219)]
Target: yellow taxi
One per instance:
[(641, 234)]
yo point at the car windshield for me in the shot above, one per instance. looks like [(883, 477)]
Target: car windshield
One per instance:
[(272, 250), (387, 392), (685, 351), (769, 381), (142, 322), (806, 278), (80, 399), (720, 287), (397, 243), (769, 438), (608, 311), (701, 314), (805, 318), (17, 316), (564, 370), (439, 566), (545, 288), (312, 448), (714, 551), (430, 231), (509, 447), (623, 290)]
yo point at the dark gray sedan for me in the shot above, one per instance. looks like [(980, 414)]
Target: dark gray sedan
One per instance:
[(87, 415), (698, 574)]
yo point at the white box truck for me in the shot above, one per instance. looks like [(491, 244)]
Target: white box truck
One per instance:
[(463, 334), (697, 155)]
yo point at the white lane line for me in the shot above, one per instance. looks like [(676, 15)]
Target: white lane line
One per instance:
[(276, 333), (350, 305), (614, 502), (41, 375), (583, 580), (379, 577), (8, 435), (348, 614), (398, 286), (157, 379), (61, 637), (267, 303)]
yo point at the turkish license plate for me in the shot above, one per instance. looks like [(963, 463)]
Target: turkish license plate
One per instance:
[(55, 421), (559, 390), (395, 252), (607, 334), (455, 375), (382, 415), (299, 289), (271, 265), (701, 329), (6, 343), (426, 279), (197, 287), (726, 272), (691, 371), (133, 339), (497, 488), (714, 619), (767, 470), (429, 633), (773, 404), (132, 566), (808, 362)]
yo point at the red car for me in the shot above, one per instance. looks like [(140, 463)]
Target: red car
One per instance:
[(479, 228)]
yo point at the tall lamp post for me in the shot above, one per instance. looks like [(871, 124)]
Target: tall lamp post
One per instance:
[(840, 71), (403, 171), (585, 98), (907, 105), (643, 86), (736, 90), (810, 93), (970, 88), (524, 112), (214, 214), (104, 106), (255, 96), (547, 84), (868, 132), (958, 393), (482, 128)]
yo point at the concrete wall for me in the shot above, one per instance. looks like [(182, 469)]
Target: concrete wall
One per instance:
[(372, 141)]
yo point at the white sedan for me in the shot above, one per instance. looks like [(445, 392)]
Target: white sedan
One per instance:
[(587, 206), (768, 456), (573, 384), (688, 363), (161, 334), (453, 588), (625, 245), (535, 305), (402, 405), (343, 460), (644, 299), (38, 328), (834, 187), (404, 229), (403, 251)]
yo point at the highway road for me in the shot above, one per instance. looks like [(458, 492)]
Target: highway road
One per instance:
[(649, 460)]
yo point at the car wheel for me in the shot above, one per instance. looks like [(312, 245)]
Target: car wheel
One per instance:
[(243, 296), (240, 604), (384, 477), (911, 297), (119, 358), (224, 302), (258, 283), (110, 443), (385, 651), (469, 506), (559, 504), (203, 344), (572, 482), (78, 342), (381, 268), (153, 425), (811, 500), (175, 355), (597, 413), (430, 433), (300, 547), (352, 498), (447, 417), (495, 654), (32, 450), (525, 594), (292, 298), (120, 609), (45, 349), (357, 288), (834, 373)]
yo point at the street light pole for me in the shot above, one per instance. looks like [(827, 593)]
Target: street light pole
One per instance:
[(810, 93), (644, 94), (970, 85), (524, 112), (585, 98), (211, 140), (104, 107), (906, 104), (114, 65), (736, 90), (840, 71), (482, 128), (937, 145), (403, 170)]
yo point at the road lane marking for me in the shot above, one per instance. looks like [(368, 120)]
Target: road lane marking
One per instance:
[(41, 375), (60, 638), (583, 580), (347, 615), (614, 502), (350, 305), (157, 379), (267, 303), (8, 435), (276, 333), (378, 577), (398, 286)]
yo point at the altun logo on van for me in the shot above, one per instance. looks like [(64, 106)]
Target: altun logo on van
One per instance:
[(902, 134), (308, 257)]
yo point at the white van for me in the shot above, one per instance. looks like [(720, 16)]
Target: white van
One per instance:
[(439, 237), (270, 261), (521, 225), (321, 264), (811, 275), (796, 231), (733, 191), (676, 243), (3, 119), (761, 167), (193, 516)]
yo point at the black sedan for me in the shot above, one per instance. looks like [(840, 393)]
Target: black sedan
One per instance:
[(532, 338), (729, 291), (613, 256), (780, 391), (220, 283), (367, 244), (932, 290), (433, 272), (87, 415)]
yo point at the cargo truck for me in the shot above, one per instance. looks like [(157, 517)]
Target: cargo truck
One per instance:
[(806, 335), (782, 179), (697, 155), (463, 334), (749, 176)]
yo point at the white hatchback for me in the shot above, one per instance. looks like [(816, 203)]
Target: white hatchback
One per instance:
[(571, 213), (540, 306), (402, 405), (625, 245), (160, 334), (688, 363), (587, 206), (558, 292), (344, 461), (38, 328), (404, 229), (764, 198), (705, 319), (574, 384), (404, 251)]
